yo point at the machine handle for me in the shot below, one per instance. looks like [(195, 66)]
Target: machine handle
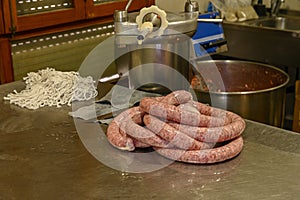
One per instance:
[(214, 44), (142, 25)]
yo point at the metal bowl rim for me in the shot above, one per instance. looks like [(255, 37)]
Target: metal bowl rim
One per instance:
[(251, 63)]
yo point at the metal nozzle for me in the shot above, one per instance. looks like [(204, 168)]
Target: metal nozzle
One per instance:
[(120, 16), (275, 6), (191, 6), (128, 4)]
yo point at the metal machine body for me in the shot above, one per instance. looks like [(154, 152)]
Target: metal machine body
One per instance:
[(154, 48)]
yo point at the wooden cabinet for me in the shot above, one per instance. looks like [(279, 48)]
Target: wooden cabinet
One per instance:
[(6, 72), (26, 18), (24, 15), (1, 20), (101, 8)]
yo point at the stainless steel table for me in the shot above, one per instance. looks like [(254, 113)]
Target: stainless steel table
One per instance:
[(42, 157)]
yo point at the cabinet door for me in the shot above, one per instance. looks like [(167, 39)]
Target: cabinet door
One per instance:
[(22, 15), (1, 20), (102, 8)]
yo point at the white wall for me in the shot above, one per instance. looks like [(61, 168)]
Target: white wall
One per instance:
[(178, 5), (292, 4), (288, 4)]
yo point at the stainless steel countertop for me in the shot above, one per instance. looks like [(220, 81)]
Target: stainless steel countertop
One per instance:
[(42, 157)]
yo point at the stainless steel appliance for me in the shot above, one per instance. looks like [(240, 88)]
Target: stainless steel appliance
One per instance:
[(152, 47)]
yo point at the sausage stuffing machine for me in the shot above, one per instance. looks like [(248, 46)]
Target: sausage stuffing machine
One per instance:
[(154, 48)]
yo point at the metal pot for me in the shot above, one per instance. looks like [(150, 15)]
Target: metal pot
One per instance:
[(254, 91)]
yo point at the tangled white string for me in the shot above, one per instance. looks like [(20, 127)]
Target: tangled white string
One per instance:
[(49, 87)]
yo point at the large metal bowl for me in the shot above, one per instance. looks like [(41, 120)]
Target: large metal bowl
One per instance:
[(253, 90)]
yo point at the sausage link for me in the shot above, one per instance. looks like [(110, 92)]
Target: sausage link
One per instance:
[(214, 134), (207, 110), (191, 130), (139, 144), (177, 97), (118, 138), (179, 115), (142, 134), (172, 135), (205, 156)]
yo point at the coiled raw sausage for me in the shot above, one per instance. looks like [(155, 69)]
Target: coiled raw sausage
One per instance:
[(120, 139), (174, 136), (179, 115), (214, 134), (179, 128), (142, 134), (177, 97), (205, 156)]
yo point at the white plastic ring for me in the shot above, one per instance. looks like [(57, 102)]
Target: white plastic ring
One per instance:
[(153, 9)]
